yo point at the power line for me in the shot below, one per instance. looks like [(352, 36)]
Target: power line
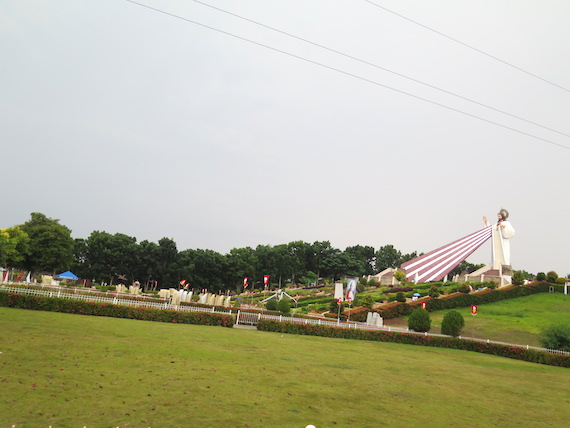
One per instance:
[(467, 46), (346, 73), (381, 68)]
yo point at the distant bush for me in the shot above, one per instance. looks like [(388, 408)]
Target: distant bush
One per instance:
[(556, 337), (400, 296), (271, 305), (551, 276), (452, 324), (541, 276), (283, 306), (334, 307), (463, 288), (561, 281), (434, 292), (373, 282), (518, 277), (368, 301), (401, 277), (419, 320)]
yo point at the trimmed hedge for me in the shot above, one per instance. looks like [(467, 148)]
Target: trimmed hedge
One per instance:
[(514, 352), (54, 304)]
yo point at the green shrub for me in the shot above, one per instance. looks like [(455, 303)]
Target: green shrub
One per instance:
[(518, 277), (400, 297), (561, 281), (556, 337), (463, 288), (541, 276), (363, 281), (373, 282), (551, 276), (419, 320), (452, 324), (271, 305), (368, 301), (334, 307), (434, 292), (401, 277), (284, 306)]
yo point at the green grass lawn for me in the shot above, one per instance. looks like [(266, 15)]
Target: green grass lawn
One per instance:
[(64, 370), (517, 320)]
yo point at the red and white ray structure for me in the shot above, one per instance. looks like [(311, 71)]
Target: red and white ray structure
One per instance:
[(434, 265)]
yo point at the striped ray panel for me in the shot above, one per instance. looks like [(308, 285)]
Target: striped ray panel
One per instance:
[(434, 265)]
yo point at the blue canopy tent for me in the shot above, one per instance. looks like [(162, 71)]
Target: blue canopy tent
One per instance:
[(67, 275)]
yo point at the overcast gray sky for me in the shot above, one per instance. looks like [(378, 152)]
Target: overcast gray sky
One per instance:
[(115, 117)]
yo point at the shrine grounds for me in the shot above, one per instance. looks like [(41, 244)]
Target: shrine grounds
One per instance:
[(65, 370), (519, 320)]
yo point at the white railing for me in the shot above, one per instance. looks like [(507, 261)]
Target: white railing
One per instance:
[(247, 318), (61, 292)]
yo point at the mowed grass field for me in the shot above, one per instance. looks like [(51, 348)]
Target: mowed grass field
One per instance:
[(64, 370), (517, 321)]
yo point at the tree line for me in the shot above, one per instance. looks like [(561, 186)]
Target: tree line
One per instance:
[(43, 245)]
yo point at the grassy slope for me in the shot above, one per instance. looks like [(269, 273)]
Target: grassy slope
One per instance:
[(514, 321), (69, 370)]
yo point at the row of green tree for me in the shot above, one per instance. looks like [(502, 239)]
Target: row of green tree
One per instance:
[(43, 245)]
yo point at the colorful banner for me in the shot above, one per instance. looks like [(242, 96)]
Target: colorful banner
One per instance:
[(245, 283), (350, 290), (265, 281)]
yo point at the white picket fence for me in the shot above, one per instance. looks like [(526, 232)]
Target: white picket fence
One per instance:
[(244, 318), (116, 300)]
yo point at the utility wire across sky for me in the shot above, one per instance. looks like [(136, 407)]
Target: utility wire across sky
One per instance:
[(357, 76), (466, 45), (380, 67)]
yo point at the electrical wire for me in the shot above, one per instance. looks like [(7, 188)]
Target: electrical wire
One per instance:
[(381, 68), (346, 73), (466, 45)]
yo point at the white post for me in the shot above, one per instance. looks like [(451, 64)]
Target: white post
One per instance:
[(566, 289), (237, 319)]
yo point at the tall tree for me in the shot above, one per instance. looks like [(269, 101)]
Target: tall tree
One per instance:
[(241, 263), (146, 263), (387, 257), (167, 263), (14, 244), (107, 256), (366, 257), (50, 247), (319, 252)]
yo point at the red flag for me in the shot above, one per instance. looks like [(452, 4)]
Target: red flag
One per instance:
[(245, 283), (265, 280)]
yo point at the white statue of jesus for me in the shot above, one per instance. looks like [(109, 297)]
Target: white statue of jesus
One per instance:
[(502, 232)]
